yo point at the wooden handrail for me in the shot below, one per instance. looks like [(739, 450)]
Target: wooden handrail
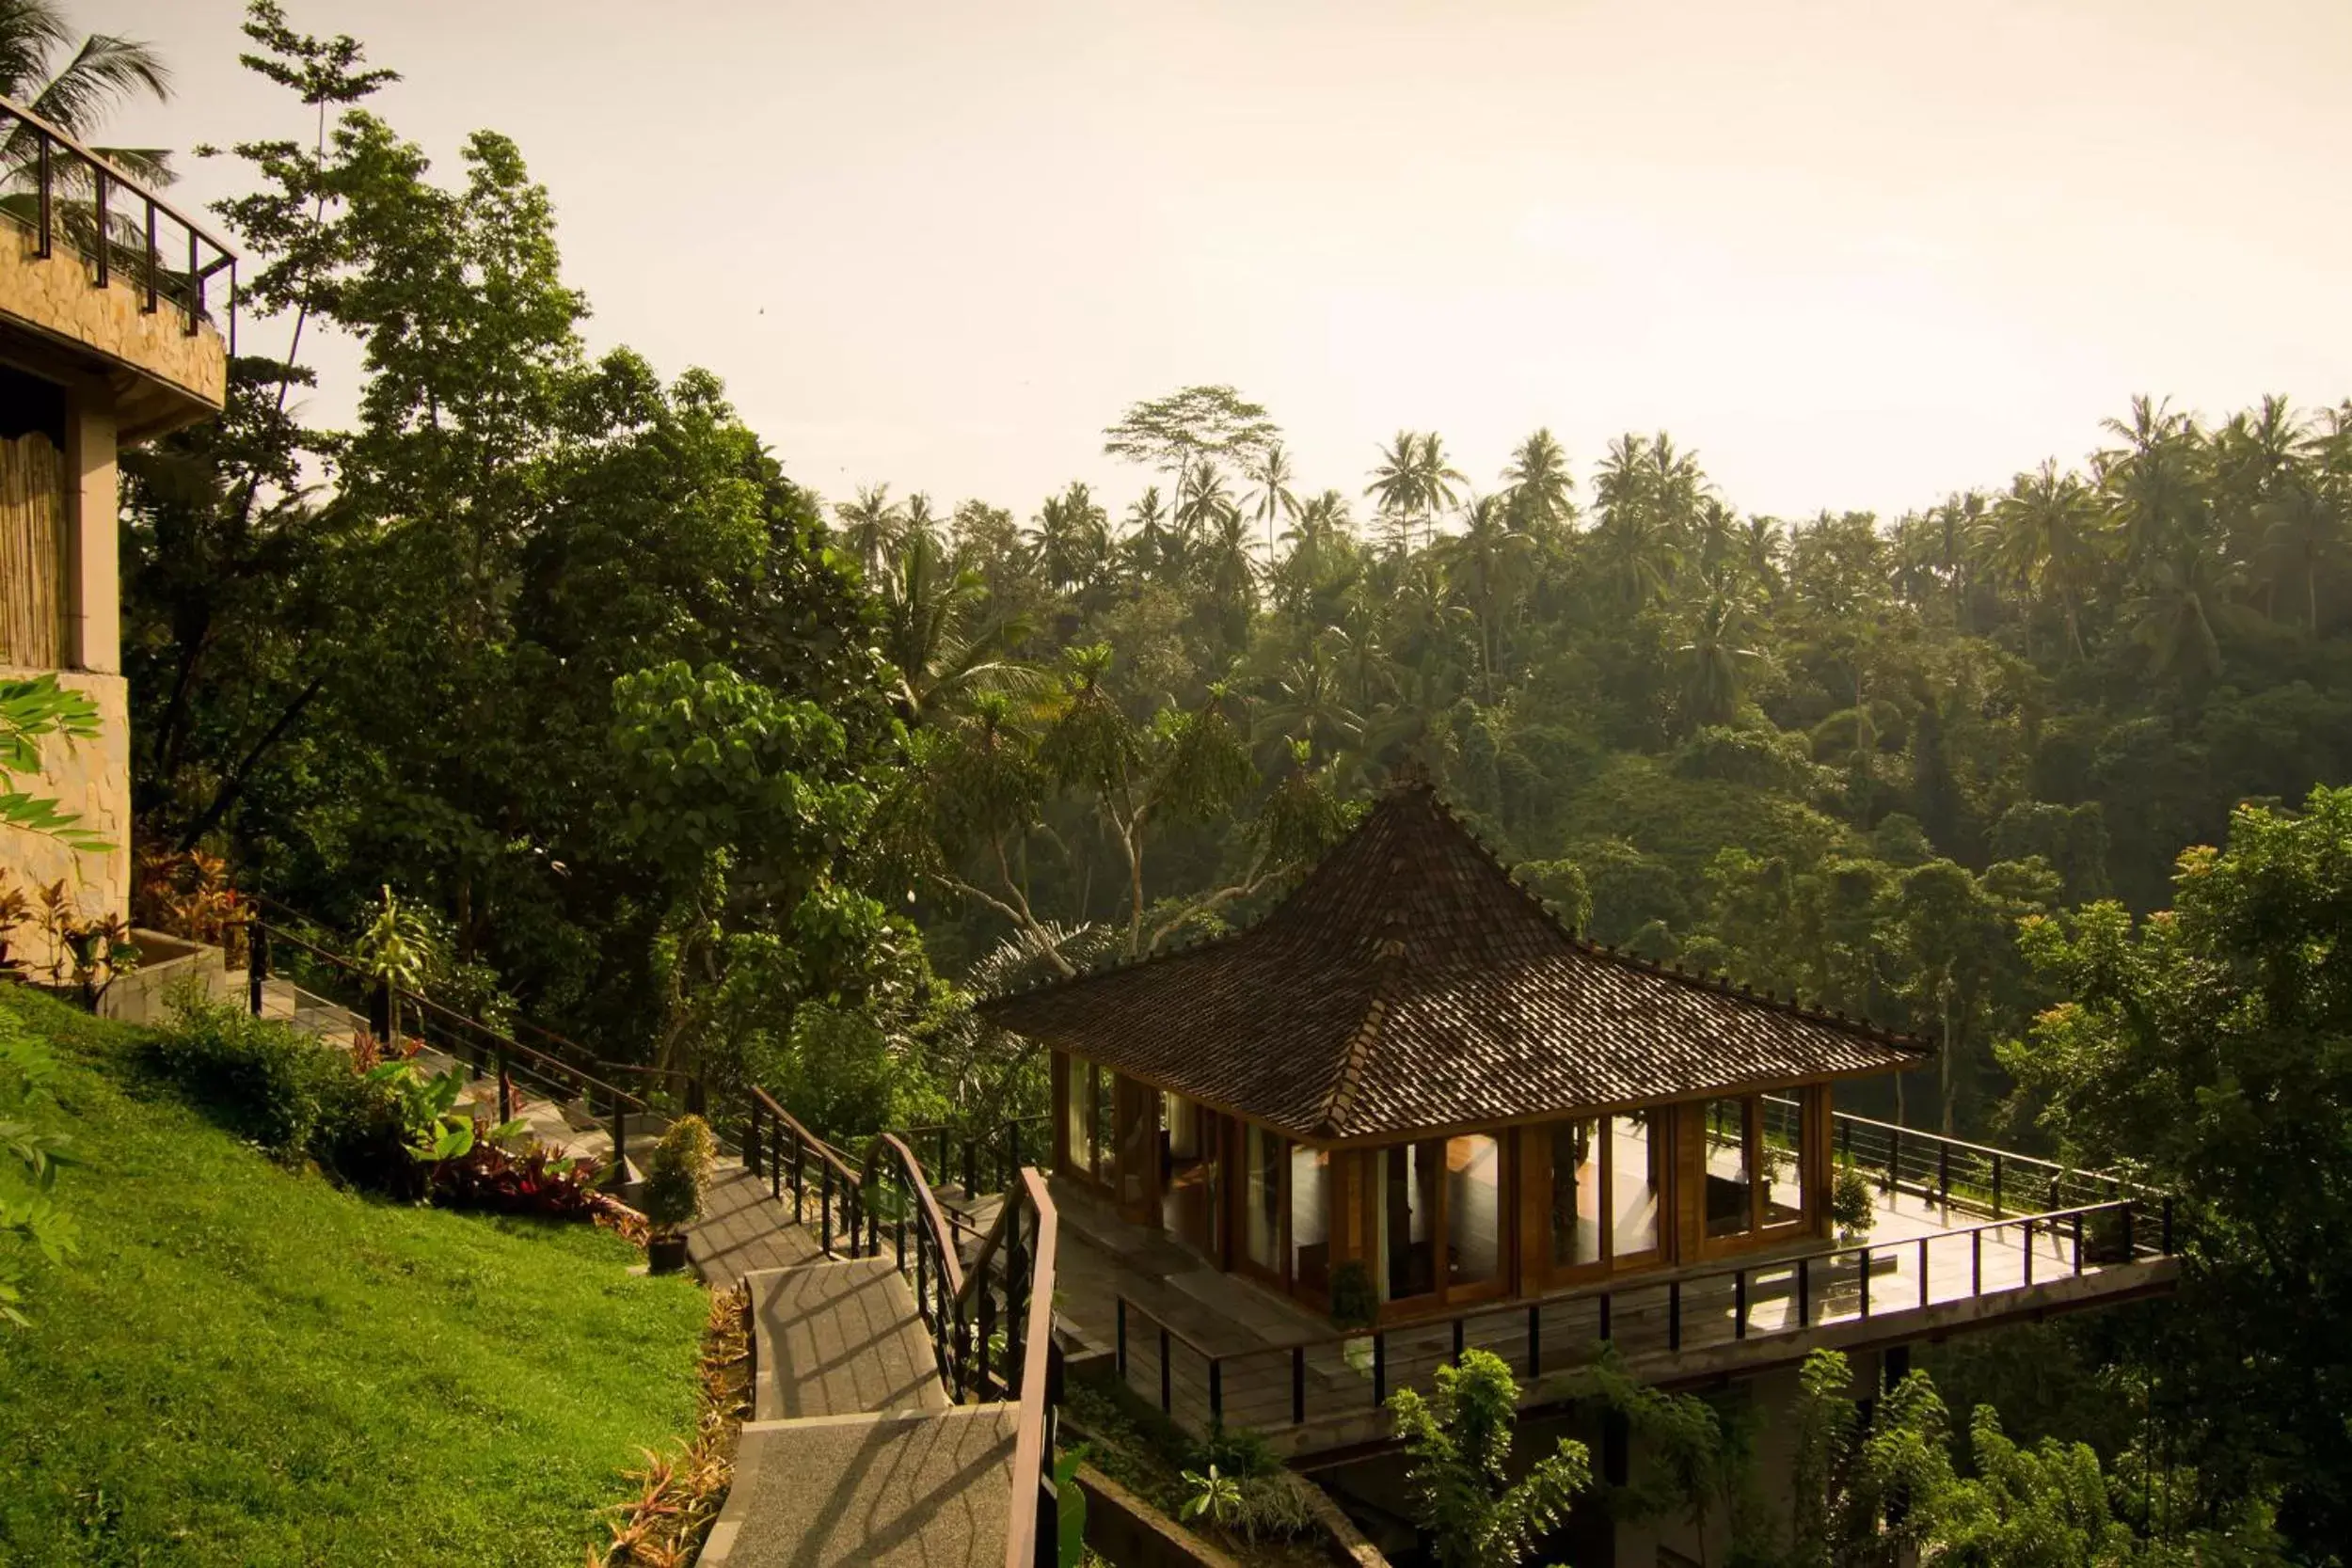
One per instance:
[(1624, 1284), (887, 1147), (1027, 1541)]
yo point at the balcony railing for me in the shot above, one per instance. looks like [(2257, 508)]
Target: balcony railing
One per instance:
[(1956, 1222), (59, 189)]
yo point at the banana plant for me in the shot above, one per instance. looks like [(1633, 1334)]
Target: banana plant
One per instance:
[(436, 1130)]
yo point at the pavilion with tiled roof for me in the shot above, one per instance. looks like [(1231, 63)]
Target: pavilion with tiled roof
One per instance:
[(1411, 1067)]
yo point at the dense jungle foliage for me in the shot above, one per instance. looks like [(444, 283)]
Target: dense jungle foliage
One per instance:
[(705, 769)]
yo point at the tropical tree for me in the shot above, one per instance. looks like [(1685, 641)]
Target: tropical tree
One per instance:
[(2047, 539), (872, 525), (73, 81), (2302, 534), (1396, 489), (1459, 1446), (1536, 485), (1487, 563), (1070, 539), (1188, 426), (1715, 660), (939, 632), (1273, 500)]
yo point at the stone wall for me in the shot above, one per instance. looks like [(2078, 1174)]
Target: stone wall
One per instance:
[(60, 298), (91, 777)]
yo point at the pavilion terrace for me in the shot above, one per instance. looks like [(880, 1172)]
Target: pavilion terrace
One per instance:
[(1418, 1110)]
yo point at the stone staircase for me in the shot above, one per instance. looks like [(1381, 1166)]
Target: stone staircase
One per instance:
[(855, 1454)]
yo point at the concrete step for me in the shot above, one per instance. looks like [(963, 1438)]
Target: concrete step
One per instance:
[(841, 1337), (900, 1491)]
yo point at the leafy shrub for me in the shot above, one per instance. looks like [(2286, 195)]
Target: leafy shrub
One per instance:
[(1354, 1303), (269, 1083), (1852, 1207), (677, 1175)]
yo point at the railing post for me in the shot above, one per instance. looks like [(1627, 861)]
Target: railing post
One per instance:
[(923, 1288), (799, 1173), (774, 1155), (751, 1140), (1674, 1314), (1217, 1391), (1458, 1325), (1298, 1385), (506, 1087), (1923, 1272), (1380, 1366), (620, 1141), (256, 934), (1604, 1318), (944, 1135), (1535, 1342), (1013, 1154), (1944, 1174), (2167, 1225), (48, 248), (1167, 1405), (2078, 1242), (1976, 1262), (97, 206), (824, 1201), (971, 1168), (1804, 1292), (1845, 1140), (1739, 1303), (153, 261), (196, 286), (1894, 1158), (987, 1333), (1119, 1343), (1865, 1281), (2030, 1253), (1997, 1186)]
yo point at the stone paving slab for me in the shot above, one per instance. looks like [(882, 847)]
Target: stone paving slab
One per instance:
[(839, 1338), (898, 1491)]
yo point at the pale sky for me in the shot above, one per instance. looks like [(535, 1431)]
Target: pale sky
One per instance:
[(1856, 254)]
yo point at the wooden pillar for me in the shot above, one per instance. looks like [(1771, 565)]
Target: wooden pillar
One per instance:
[(1060, 1099), (1820, 1158)]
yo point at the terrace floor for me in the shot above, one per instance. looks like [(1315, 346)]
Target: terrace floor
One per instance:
[(1933, 1269)]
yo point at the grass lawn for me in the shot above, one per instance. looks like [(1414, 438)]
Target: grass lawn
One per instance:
[(248, 1366)]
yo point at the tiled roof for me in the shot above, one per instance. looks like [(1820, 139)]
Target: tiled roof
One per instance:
[(1410, 983)]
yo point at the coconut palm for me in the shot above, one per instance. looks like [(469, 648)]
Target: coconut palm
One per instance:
[(871, 525), (1303, 703), (1487, 563), (1438, 477), (1202, 504), (938, 634), (1070, 539), (1396, 486), (2186, 599), (2047, 539), (1538, 481), (1147, 544), (97, 72), (1715, 661), (2303, 530), (2153, 483), (1272, 500)]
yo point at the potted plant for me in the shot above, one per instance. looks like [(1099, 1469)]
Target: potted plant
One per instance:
[(1850, 1205), (675, 1178)]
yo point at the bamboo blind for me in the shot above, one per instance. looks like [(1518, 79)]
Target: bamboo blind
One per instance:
[(32, 554)]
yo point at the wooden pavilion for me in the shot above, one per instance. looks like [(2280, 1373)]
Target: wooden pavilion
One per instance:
[(1411, 1087)]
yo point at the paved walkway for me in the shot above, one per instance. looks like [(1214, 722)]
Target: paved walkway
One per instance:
[(857, 1456)]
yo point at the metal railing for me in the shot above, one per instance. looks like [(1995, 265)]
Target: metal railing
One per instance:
[(66, 190), (1348, 1373), (1959, 1174), (482, 1050), (978, 1162)]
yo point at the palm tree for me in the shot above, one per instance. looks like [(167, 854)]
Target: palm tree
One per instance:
[(2186, 598), (1438, 479), (1304, 704), (1147, 543), (2047, 540), (2152, 480), (1071, 538), (99, 71), (1315, 537), (1273, 499), (938, 634), (871, 525), (1634, 542), (1762, 543), (1396, 485), (1486, 563), (1715, 661), (2301, 530), (1203, 502), (1538, 481), (921, 520)]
